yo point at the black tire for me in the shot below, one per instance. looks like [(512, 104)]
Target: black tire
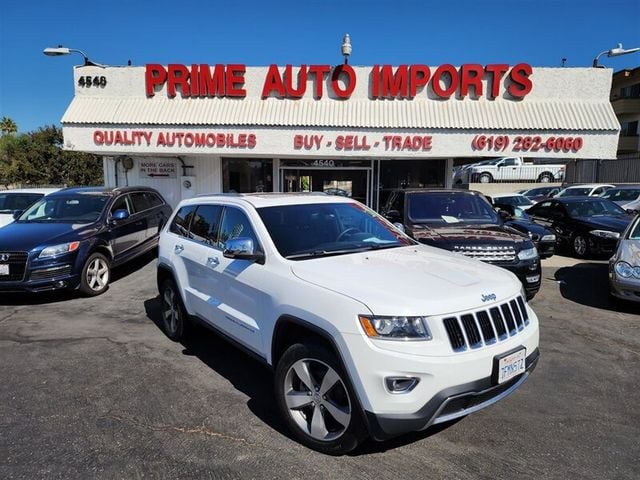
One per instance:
[(96, 274), (579, 246), (174, 318), (485, 178), (545, 177), (340, 439)]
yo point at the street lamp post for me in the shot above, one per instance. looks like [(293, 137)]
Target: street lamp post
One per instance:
[(346, 48), (60, 50), (614, 52)]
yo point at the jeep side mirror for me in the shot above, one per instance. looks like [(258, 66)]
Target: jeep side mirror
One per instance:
[(242, 248)]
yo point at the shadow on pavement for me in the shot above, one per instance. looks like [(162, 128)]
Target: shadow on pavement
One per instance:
[(56, 296), (255, 379), (588, 284)]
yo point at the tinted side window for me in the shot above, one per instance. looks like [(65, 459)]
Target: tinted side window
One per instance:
[(205, 224), (140, 201), (509, 162), (153, 199), (122, 203), (235, 224), (180, 224)]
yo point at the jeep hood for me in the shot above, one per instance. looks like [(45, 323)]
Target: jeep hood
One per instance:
[(413, 280)]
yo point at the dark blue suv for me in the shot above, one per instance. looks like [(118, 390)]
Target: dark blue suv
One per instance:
[(72, 238)]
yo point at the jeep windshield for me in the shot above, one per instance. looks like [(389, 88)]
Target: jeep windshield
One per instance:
[(83, 208), (449, 208), (323, 229)]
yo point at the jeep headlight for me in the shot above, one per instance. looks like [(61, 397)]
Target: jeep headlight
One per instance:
[(605, 234), (395, 328), (549, 238), (528, 254), (56, 250)]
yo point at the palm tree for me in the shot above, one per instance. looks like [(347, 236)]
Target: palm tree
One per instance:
[(8, 126)]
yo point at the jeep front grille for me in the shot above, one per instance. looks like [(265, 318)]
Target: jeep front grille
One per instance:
[(485, 327), (487, 253)]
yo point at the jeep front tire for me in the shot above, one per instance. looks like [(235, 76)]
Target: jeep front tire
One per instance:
[(316, 401)]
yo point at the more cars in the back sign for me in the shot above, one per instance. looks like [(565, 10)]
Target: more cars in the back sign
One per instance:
[(624, 266), (72, 238), (586, 225), (369, 333), (17, 200)]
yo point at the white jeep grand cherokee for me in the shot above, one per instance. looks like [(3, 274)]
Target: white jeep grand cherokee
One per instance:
[(368, 331)]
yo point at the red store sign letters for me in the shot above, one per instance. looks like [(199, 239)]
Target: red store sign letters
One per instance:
[(386, 81)]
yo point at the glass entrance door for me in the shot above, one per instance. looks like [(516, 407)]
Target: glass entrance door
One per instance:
[(352, 183)]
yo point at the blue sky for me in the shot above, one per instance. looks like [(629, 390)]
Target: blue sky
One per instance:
[(35, 90)]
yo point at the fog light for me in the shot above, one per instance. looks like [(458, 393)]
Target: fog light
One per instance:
[(401, 384), (60, 284)]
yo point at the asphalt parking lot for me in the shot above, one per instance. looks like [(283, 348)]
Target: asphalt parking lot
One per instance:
[(92, 388)]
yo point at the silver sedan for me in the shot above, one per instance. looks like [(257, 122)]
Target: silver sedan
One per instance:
[(624, 266)]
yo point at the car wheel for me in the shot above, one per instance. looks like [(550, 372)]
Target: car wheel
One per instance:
[(486, 178), (316, 401), (96, 274), (580, 246), (545, 178), (174, 316)]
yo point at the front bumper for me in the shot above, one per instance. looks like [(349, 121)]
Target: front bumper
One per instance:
[(43, 275), (624, 288), (448, 404), (601, 246), (546, 249)]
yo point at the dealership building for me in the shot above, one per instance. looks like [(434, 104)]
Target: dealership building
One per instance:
[(359, 131)]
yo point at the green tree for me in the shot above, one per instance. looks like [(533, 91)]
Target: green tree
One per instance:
[(37, 158), (8, 126)]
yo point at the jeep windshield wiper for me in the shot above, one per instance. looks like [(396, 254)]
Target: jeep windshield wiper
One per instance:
[(329, 253)]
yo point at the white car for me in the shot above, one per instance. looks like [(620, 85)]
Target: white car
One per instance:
[(587, 190), (369, 332), (12, 201), (512, 199), (627, 197)]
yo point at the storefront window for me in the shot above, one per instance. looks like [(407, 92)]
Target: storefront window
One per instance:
[(242, 175), (410, 174)]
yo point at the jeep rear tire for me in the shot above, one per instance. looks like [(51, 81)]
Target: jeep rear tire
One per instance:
[(174, 315), (316, 401)]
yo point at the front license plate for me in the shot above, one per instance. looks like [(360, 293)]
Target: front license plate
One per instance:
[(4, 269), (511, 365), (533, 278)]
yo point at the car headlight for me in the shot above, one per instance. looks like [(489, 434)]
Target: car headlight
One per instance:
[(57, 250), (549, 238), (624, 270), (395, 328), (528, 254), (605, 234)]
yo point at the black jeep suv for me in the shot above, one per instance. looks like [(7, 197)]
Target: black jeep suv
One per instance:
[(465, 222)]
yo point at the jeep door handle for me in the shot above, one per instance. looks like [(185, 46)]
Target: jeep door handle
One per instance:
[(213, 262), (178, 249)]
